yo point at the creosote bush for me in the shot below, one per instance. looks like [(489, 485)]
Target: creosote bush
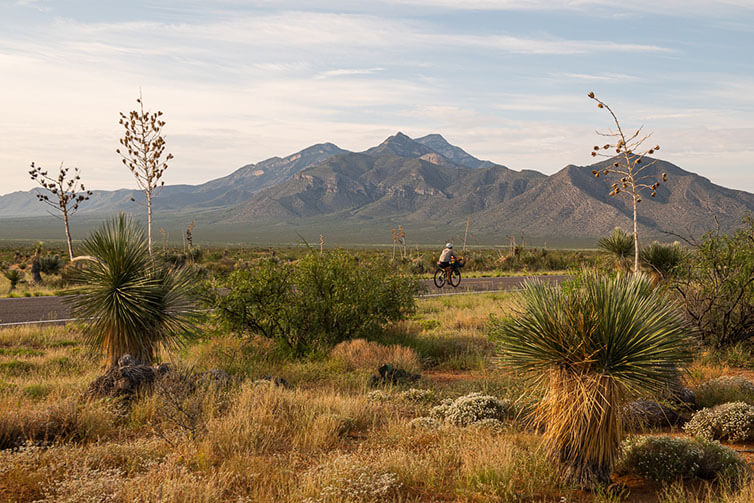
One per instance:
[(317, 302), (716, 285), (667, 459), (733, 422)]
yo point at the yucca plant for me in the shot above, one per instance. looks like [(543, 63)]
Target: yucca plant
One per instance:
[(621, 245), (14, 276), (662, 260), (131, 304), (593, 347)]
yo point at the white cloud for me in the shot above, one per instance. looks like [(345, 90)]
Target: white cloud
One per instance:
[(347, 72)]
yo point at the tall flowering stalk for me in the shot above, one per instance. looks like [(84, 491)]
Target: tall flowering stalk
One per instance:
[(143, 150), (628, 166), (67, 193)]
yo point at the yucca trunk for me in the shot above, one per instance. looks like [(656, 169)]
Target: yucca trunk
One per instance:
[(581, 416)]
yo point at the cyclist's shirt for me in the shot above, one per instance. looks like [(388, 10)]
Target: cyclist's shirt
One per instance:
[(446, 255)]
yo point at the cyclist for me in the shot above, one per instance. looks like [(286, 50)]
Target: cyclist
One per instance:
[(445, 257)]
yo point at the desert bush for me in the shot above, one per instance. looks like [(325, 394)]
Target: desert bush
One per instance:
[(666, 459), (662, 260), (363, 354), (716, 286), (471, 408), (316, 303), (724, 389), (132, 304), (592, 347), (733, 422)]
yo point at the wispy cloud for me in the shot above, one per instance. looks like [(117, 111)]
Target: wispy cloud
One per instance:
[(347, 72)]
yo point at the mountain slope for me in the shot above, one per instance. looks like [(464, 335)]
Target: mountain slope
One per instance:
[(573, 202), (455, 154), (224, 192)]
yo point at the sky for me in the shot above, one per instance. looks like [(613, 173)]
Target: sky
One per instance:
[(242, 81)]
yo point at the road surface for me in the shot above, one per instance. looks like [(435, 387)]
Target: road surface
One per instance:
[(54, 310)]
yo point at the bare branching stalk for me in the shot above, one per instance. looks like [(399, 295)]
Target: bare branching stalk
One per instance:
[(66, 193), (189, 235), (628, 166), (142, 153)]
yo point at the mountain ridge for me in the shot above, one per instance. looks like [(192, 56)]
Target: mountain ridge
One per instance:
[(429, 182)]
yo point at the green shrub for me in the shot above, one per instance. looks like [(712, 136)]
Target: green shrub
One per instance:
[(716, 285), (317, 302), (666, 459), (730, 421), (725, 389)]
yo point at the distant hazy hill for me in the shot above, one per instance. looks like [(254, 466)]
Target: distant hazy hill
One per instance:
[(427, 182), (224, 192)]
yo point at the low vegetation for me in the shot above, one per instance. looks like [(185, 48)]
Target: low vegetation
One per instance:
[(320, 377)]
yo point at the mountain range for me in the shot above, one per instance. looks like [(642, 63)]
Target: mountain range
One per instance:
[(425, 182)]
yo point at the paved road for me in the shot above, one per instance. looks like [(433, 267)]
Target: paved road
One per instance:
[(487, 284), (25, 309), (32, 309)]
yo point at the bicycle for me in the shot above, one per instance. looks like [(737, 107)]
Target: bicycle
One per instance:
[(441, 274)]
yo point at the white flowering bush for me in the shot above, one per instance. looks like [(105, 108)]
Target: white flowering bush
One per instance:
[(666, 459), (378, 396), (725, 389), (470, 409), (730, 421), (417, 395), (348, 479), (425, 423), (660, 458)]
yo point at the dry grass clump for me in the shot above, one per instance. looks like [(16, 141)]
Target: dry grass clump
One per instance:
[(362, 354), (724, 389), (66, 420), (268, 419)]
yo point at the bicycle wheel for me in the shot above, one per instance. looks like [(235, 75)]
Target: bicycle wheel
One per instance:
[(455, 278), (439, 278)]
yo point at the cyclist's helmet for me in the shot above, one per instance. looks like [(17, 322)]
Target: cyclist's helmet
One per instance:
[(448, 245)]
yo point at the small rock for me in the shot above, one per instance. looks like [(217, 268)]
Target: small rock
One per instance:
[(391, 375), (218, 376), (163, 369), (651, 414), (126, 379)]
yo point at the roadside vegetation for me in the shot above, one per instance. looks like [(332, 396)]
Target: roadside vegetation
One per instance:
[(318, 376)]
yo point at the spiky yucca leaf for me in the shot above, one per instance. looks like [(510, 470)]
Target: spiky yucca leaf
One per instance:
[(14, 276), (662, 260), (593, 348), (130, 303)]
